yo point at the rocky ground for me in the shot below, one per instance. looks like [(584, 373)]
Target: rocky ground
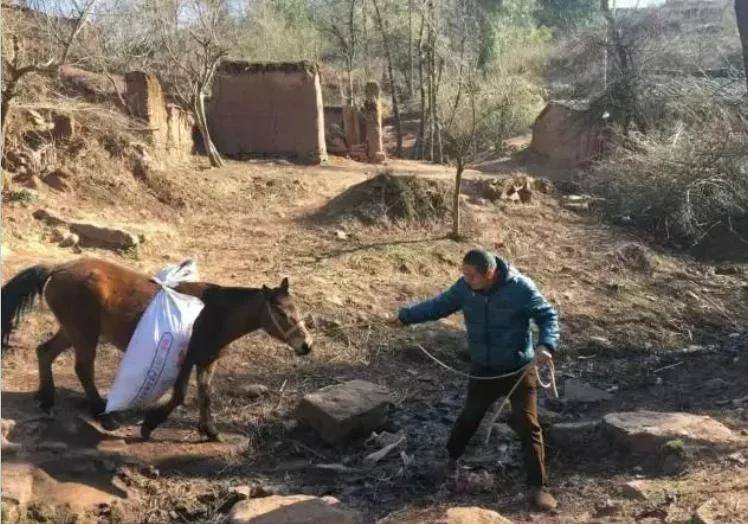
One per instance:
[(644, 329)]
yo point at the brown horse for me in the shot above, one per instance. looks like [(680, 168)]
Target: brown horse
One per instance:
[(94, 299)]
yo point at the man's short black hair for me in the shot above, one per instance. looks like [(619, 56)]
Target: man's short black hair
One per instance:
[(481, 260)]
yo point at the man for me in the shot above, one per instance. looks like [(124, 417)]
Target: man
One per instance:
[(498, 303)]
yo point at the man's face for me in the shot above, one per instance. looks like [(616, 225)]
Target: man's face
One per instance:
[(476, 280)]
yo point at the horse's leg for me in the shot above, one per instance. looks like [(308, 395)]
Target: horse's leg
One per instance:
[(85, 338), (155, 417), (204, 390), (46, 354)]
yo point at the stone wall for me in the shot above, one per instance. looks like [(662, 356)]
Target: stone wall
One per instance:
[(270, 109)]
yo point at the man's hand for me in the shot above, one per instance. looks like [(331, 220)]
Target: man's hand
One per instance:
[(543, 356)]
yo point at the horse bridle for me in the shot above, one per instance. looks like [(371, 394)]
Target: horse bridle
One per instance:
[(298, 324)]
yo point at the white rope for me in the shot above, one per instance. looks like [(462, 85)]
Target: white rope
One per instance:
[(468, 375), (550, 385)]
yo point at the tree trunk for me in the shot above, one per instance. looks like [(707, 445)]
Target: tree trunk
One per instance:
[(410, 49), (456, 234), (437, 122), (351, 55), (393, 86), (741, 15), (422, 92), (202, 123)]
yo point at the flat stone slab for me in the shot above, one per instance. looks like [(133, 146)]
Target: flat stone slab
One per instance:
[(646, 431), (291, 509), (343, 411), (473, 515)]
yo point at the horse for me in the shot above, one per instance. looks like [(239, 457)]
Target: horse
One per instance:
[(93, 299)]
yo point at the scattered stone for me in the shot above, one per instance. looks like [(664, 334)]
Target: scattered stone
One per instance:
[(572, 435), (95, 235), (343, 411), (49, 217), (292, 509), (69, 240), (473, 515), (255, 391), (58, 180), (578, 391), (636, 489), (647, 431), (341, 235)]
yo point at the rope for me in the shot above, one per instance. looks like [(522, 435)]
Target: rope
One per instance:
[(550, 385)]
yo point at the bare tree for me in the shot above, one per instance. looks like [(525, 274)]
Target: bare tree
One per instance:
[(339, 20), (20, 59), (741, 14), (390, 72), (192, 36)]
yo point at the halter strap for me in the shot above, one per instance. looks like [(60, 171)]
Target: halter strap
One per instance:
[(285, 332)]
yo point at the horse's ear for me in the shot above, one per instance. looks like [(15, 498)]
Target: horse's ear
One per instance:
[(265, 289), (284, 285)]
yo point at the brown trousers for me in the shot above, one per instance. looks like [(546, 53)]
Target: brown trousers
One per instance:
[(524, 421)]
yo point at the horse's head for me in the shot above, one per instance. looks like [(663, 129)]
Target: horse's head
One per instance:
[(283, 321)]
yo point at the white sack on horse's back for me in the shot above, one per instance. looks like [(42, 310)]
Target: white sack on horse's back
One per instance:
[(158, 345)]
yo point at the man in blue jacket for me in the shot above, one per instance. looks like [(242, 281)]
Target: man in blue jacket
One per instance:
[(498, 304)]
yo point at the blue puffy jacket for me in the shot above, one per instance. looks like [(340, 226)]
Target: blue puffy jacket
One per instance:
[(497, 320)]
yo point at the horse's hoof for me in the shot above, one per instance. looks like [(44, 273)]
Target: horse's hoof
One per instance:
[(108, 422)]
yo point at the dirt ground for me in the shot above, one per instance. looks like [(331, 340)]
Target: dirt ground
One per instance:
[(655, 328)]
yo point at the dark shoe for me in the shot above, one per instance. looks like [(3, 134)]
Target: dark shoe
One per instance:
[(543, 500)]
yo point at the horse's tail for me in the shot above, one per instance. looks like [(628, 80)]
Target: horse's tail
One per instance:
[(19, 295)]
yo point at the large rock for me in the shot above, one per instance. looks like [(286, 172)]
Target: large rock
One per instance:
[(292, 509), (95, 235), (647, 431), (346, 410), (474, 515)]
